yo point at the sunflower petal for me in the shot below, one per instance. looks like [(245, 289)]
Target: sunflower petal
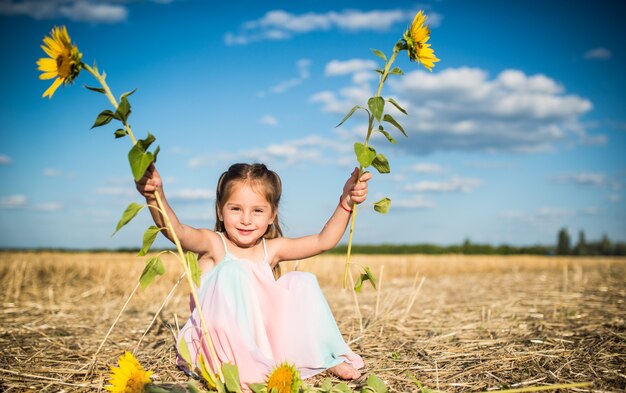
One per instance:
[(52, 88)]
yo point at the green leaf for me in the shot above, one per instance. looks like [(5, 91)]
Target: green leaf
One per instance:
[(389, 119), (217, 384), (381, 164), (231, 378), (376, 383), (96, 89), (383, 205), (376, 105), (154, 267), (183, 350), (386, 134), (396, 71), (258, 387), (379, 54), (127, 94), (194, 268), (365, 155), (326, 385), (394, 103), (123, 110), (130, 213), (120, 133), (350, 114), (342, 387), (367, 275), (139, 159), (103, 118), (148, 238)]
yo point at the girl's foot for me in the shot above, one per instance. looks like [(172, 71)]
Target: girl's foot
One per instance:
[(345, 371)]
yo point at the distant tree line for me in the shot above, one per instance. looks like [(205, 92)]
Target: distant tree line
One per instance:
[(563, 247)]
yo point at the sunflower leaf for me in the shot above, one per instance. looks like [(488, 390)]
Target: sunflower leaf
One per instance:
[(194, 268), (350, 114), (123, 110), (148, 238), (96, 89), (231, 378), (103, 118), (383, 205), (130, 213), (379, 54), (154, 267), (139, 158), (367, 275), (258, 387), (394, 103), (127, 94), (183, 350), (120, 133), (376, 384), (381, 163), (217, 384), (364, 155), (386, 134), (396, 71), (389, 119), (376, 105)]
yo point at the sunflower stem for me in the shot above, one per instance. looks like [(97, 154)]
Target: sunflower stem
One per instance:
[(170, 228), (370, 128)]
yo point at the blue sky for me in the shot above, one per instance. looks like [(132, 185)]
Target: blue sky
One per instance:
[(520, 129)]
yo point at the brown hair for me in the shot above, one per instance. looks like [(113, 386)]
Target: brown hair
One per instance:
[(262, 179)]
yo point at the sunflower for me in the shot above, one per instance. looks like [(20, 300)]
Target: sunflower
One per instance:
[(284, 379), (129, 377), (416, 37), (64, 62)]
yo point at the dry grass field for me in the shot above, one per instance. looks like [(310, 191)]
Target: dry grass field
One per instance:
[(455, 323)]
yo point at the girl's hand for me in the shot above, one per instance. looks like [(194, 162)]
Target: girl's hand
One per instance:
[(149, 183), (353, 191)]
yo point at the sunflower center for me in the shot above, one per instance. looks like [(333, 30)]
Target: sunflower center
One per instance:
[(65, 64), (281, 379)]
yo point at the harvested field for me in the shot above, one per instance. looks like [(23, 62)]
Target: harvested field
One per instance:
[(455, 323)]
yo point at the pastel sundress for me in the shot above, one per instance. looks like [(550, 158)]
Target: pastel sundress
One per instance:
[(256, 322)]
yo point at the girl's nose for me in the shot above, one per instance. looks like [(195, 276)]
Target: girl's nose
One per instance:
[(245, 218)]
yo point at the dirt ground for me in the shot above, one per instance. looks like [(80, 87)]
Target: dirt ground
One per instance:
[(453, 323)]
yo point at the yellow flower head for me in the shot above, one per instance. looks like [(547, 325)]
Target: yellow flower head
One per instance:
[(416, 37), (129, 377), (64, 62), (284, 379)]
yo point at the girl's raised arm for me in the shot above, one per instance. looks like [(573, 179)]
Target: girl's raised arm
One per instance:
[(287, 249), (191, 239)]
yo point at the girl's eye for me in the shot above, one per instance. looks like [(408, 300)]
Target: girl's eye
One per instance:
[(234, 209), (258, 211)]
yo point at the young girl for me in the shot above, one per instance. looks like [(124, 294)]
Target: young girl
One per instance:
[(255, 320)]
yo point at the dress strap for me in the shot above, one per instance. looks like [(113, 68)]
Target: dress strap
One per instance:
[(223, 241), (264, 250)]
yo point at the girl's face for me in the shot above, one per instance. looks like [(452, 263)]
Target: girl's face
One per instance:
[(246, 215)]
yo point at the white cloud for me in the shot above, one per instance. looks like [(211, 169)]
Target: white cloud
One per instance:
[(464, 109), (303, 66), (5, 160), (48, 207), (50, 172), (598, 54), (280, 25), (338, 67), (92, 11), (454, 184), (426, 168), (191, 195), (12, 202), (268, 120), (582, 178), (416, 202)]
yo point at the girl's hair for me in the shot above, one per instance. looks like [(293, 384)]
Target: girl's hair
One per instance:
[(263, 180)]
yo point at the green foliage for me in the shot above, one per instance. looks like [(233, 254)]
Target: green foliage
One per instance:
[(231, 378), (96, 89), (394, 103), (389, 119), (194, 268), (381, 164), (139, 158), (365, 155), (383, 205), (376, 105), (154, 267), (130, 213), (386, 134), (183, 350), (120, 133), (563, 246), (379, 54), (123, 110), (103, 118), (148, 238), (350, 114), (367, 275)]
